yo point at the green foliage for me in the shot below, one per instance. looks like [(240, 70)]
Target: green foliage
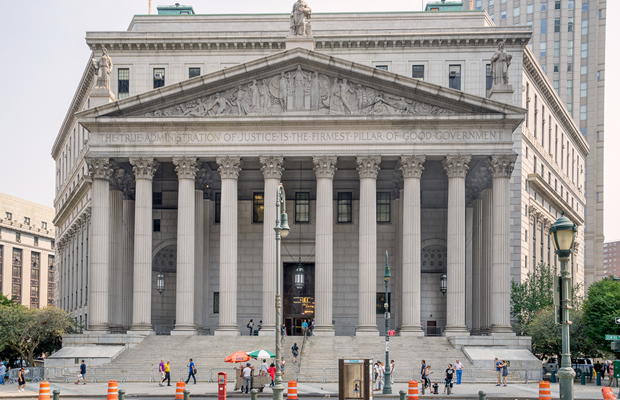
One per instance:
[(533, 295), (25, 330), (5, 301), (600, 308)]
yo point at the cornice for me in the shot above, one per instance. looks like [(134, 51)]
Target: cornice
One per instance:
[(542, 187), (536, 74), (29, 229), (77, 104), (78, 192)]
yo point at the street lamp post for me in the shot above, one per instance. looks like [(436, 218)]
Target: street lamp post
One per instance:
[(387, 386), (563, 238), (282, 229)]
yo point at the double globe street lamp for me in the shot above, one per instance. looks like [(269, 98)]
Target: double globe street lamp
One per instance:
[(387, 386), (563, 232)]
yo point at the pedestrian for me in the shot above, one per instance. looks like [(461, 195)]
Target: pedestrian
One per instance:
[(505, 372), (263, 369), (21, 380), (458, 367), (162, 373), (423, 373), (192, 371), (428, 375), (260, 325), (498, 371), (611, 374), (251, 326), (312, 327), (282, 365), (304, 326), (2, 372), (392, 368), (82, 373), (295, 351), (283, 328), (167, 372), (449, 375), (272, 373), (605, 369), (378, 375), (247, 379)]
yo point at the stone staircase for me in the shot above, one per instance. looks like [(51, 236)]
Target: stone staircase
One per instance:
[(320, 355)]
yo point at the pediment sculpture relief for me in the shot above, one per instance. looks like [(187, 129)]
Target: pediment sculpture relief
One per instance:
[(299, 90)]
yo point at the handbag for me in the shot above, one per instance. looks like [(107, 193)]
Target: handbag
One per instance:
[(247, 326)]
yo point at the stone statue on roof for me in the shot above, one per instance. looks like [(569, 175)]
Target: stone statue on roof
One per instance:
[(499, 65), (300, 19), (103, 69)]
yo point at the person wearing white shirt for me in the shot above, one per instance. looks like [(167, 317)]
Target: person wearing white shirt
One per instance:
[(392, 368), (247, 379), (263, 368), (458, 367)]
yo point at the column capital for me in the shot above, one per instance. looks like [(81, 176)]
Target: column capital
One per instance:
[(98, 167), (548, 225), (272, 166), (185, 167), (501, 166), (229, 167), (412, 166), (368, 166), (456, 166), (144, 167), (325, 166)]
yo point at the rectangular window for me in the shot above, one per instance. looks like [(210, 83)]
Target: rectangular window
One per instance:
[(584, 50), (302, 207), (9, 216), (543, 6), (571, 24), (18, 237), (383, 207), (216, 302), (218, 207), (50, 280), (123, 83), (27, 220), (556, 25), (556, 67), (157, 225), (17, 275), (502, 14), (383, 67), (556, 48), (417, 71), (478, 4), (584, 89), (194, 72), (535, 164), (584, 69), (157, 198), (159, 77), (543, 49), (556, 86), (569, 67), (598, 75), (345, 207), (530, 8), (583, 112), (44, 225), (455, 77), (258, 207), (584, 7), (558, 4), (491, 3), (584, 27), (36, 241), (571, 4), (489, 80), (569, 88), (516, 12)]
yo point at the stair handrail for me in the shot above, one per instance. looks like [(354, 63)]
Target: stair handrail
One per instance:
[(301, 354)]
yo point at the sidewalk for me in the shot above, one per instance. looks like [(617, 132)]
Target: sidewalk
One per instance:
[(464, 391)]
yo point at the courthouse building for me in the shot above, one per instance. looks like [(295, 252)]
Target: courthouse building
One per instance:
[(388, 131)]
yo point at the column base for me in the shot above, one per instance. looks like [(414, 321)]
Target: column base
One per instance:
[(98, 329), (324, 330), (184, 330), (141, 330), (366, 330), (227, 330), (455, 331), (411, 331), (267, 331), (501, 331)]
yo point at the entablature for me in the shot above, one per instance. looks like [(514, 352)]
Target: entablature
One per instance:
[(545, 190)]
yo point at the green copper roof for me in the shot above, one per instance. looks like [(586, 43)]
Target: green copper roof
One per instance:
[(176, 9), (443, 6)]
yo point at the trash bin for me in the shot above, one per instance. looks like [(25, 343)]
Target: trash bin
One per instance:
[(355, 379)]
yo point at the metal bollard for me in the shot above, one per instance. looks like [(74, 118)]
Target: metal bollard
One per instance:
[(121, 394), (56, 394), (402, 394), (185, 394), (482, 395), (583, 378), (552, 376), (423, 387), (598, 379), (449, 389), (254, 394)]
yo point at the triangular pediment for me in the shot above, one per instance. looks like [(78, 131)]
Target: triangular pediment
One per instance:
[(300, 82)]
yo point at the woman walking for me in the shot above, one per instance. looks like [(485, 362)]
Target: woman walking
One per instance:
[(427, 374), (295, 351), (251, 326), (21, 380)]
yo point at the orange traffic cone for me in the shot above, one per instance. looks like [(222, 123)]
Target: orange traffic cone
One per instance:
[(44, 390), (413, 390), (544, 391), (292, 390), (180, 389), (112, 391)]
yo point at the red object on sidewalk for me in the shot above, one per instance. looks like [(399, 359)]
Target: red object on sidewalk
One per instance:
[(221, 386)]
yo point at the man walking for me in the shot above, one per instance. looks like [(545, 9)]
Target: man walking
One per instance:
[(162, 373), (423, 372), (192, 371), (392, 368), (167, 372), (82, 373), (2, 372), (247, 379), (458, 367)]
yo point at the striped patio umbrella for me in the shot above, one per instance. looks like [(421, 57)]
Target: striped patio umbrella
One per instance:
[(237, 357), (261, 354)]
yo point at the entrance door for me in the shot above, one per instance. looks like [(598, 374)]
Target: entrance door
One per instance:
[(298, 299)]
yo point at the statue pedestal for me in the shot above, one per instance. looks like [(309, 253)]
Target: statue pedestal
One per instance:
[(502, 93), (100, 97), (305, 42)]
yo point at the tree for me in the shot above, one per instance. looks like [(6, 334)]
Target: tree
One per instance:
[(5, 301), (532, 295), (25, 330), (600, 309)]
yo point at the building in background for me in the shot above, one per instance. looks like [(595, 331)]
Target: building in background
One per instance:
[(569, 43), (26, 251), (611, 253)]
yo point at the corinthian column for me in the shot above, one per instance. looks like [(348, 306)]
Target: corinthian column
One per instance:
[(486, 254), (99, 168), (324, 168), (476, 241), (368, 168), (200, 288), (229, 168), (272, 172), (116, 251), (129, 217), (456, 169), (144, 169), (186, 168), (501, 167), (412, 167)]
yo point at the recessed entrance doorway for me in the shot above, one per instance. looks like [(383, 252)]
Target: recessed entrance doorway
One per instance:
[(298, 296)]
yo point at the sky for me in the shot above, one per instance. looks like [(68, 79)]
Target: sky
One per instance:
[(44, 55)]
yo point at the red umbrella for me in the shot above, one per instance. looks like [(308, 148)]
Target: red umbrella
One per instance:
[(237, 357)]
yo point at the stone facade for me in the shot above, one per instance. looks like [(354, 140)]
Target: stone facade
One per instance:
[(372, 160)]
